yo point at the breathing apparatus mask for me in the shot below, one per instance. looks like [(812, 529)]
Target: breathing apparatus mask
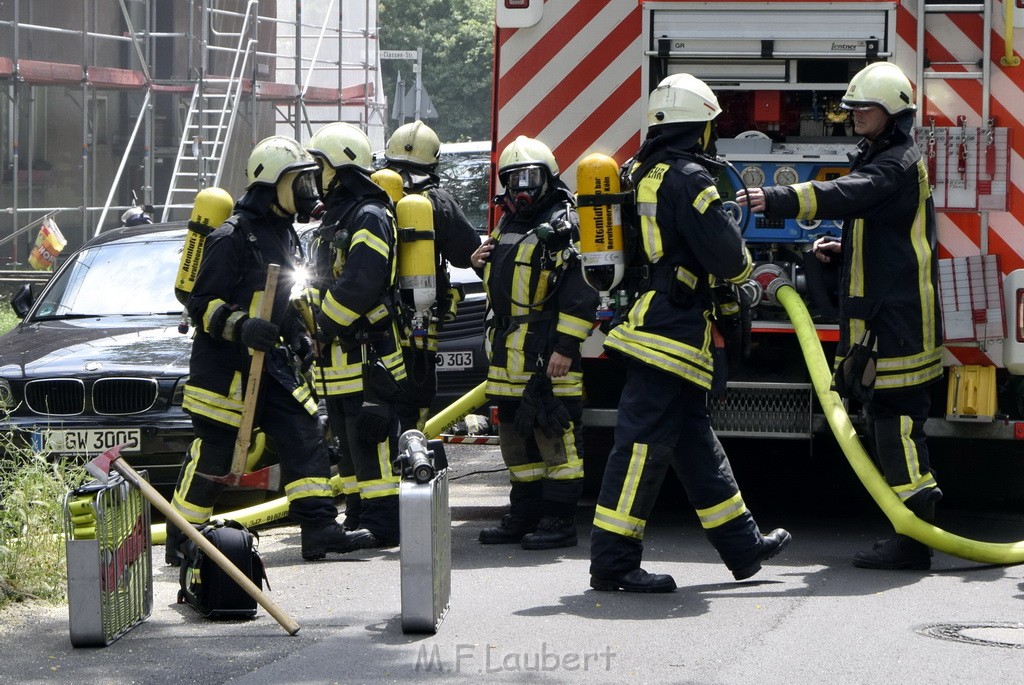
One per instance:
[(524, 186), (297, 194)]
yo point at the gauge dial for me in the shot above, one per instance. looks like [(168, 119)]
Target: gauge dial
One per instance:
[(786, 176), (753, 176)]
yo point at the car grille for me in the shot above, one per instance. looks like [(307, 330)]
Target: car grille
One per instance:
[(110, 396), (123, 395), (56, 396), (469, 320)]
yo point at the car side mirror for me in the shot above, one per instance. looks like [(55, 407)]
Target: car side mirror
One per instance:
[(23, 300)]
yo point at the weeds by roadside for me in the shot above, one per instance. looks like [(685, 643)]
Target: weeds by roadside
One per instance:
[(7, 317), (32, 489)]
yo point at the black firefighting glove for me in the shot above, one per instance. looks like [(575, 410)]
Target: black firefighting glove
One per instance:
[(300, 343), (531, 404), (259, 334), (373, 422), (855, 374), (554, 419)]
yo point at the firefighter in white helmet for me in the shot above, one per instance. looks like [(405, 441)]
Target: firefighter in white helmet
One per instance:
[(232, 276), (687, 241), (360, 366), (888, 290), (543, 310), (413, 152)]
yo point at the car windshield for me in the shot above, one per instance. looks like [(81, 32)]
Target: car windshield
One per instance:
[(126, 279), (466, 175)]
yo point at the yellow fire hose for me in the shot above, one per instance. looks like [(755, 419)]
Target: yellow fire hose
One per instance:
[(262, 514), (903, 520)]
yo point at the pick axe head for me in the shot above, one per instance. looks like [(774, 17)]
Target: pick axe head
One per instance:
[(99, 467), (267, 478)]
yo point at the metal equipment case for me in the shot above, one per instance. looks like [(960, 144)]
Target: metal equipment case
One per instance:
[(426, 553), (110, 566)]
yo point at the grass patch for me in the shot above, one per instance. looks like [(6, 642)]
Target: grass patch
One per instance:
[(7, 317), (32, 490)]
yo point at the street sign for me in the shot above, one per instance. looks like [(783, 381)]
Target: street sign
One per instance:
[(398, 54)]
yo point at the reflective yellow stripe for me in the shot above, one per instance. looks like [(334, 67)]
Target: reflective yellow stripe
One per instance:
[(308, 487), (743, 275), (373, 489), (573, 325), (807, 201), (338, 312), (349, 486), (905, 492), (365, 237), (722, 513), (526, 473), (617, 523), (705, 198), (631, 482), (923, 250)]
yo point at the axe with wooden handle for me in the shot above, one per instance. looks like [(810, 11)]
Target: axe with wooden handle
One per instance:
[(268, 478), (100, 467)]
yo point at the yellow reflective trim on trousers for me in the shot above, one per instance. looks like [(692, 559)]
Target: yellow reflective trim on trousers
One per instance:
[(572, 467), (374, 489), (614, 522), (705, 198), (573, 325), (723, 512), (660, 361), (907, 491), (365, 237), (665, 353), (807, 201), (215, 411), (631, 481), (308, 487), (349, 486), (923, 250), (337, 312), (910, 455), (907, 380), (526, 473), (193, 513)]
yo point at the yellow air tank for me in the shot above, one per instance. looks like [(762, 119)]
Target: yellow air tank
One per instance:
[(391, 182), (212, 207), (599, 203), (416, 276)]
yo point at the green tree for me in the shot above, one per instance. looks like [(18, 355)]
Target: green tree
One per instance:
[(457, 37)]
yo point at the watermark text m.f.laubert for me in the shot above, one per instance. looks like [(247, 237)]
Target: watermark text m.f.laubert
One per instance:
[(490, 658)]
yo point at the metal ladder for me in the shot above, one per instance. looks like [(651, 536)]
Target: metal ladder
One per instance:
[(940, 70), (210, 120)]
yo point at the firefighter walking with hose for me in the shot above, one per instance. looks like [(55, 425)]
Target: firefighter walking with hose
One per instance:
[(890, 328)]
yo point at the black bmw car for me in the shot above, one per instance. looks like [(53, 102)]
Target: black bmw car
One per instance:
[(98, 359)]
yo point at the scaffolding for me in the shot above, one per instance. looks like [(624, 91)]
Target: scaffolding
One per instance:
[(110, 103)]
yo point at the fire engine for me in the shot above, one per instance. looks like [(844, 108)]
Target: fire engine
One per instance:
[(577, 74)]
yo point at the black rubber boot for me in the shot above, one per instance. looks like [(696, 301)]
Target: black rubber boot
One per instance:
[(371, 540), (771, 544), (353, 507), (551, 533), (319, 541), (637, 580), (511, 529), (902, 553)]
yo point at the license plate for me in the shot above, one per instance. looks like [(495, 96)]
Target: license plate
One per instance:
[(87, 440), (455, 361)]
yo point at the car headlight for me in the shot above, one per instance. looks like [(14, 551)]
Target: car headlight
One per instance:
[(6, 396), (178, 396)]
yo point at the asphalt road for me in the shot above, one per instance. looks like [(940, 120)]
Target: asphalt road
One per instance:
[(519, 616)]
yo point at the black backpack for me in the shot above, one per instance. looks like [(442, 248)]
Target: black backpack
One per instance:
[(207, 588)]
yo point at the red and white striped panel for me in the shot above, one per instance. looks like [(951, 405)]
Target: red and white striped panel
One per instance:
[(958, 37), (470, 439), (573, 81)]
